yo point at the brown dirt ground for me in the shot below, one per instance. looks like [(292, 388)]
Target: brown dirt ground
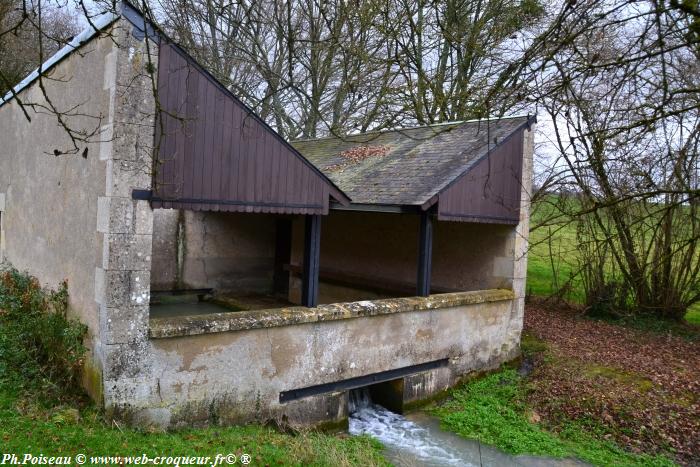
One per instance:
[(641, 389)]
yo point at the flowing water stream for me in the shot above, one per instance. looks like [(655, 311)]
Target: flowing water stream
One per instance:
[(408, 442), (417, 440)]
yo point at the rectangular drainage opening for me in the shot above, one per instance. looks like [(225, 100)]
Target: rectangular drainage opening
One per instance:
[(360, 381)]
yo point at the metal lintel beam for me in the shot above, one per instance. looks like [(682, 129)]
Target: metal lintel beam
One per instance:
[(360, 381)]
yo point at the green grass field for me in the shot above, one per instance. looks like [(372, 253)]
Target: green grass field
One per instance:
[(560, 255)]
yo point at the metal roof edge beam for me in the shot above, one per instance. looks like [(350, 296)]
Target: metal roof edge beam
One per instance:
[(339, 196), (143, 27), (430, 203)]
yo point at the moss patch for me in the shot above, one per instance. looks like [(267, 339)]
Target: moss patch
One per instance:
[(531, 345), (640, 382)]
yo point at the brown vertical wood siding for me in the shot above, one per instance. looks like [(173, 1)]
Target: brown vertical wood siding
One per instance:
[(214, 154), (489, 191)]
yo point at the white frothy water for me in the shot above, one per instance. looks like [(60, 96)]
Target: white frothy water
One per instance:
[(397, 433)]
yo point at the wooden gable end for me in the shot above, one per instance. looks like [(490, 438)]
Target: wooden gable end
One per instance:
[(489, 191), (215, 154)]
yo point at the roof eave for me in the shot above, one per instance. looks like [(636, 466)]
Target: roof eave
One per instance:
[(339, 196), (384, 208), (430, 203)]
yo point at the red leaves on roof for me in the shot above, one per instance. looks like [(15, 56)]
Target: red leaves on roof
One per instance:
[(358, 154)]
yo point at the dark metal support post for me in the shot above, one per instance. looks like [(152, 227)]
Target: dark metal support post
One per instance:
[(425, 254), (312, 256)]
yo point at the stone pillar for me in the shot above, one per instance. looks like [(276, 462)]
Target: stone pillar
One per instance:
[(125, 225), (520, 240)]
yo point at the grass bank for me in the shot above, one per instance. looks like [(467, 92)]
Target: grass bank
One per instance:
[(601, 392), (68, 430), (493, 409)]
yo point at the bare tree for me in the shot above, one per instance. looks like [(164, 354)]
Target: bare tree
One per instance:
[(313, 67), (620, 84), (448, 53), (28, 35)]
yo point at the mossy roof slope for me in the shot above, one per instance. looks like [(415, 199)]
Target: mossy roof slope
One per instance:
[(405, 167)]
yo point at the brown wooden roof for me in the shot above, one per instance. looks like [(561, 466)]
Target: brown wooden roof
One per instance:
[(216, 154)]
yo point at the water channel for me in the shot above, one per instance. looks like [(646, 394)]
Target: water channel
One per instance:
[(417, 440)]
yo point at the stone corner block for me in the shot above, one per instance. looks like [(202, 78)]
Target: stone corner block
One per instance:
[(124, 325), (123, 176), (114, 215), (127, 252), (126, 360)]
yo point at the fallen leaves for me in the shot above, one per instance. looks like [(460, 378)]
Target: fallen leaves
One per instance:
[(642, 387), (358, 154)]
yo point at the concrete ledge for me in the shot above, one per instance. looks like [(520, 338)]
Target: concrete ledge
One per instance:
[(260, 319)]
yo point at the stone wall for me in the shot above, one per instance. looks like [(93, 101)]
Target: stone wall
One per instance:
[(50, 204), (127, 224), (230, 252), (72, 216), (231, 368)]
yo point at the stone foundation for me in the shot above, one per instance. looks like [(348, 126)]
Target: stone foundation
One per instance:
[(231, 367)]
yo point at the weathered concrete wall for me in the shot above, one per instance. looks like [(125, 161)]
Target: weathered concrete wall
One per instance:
[(51, 203), (236, 376), (385, 246), (230, 252), (168, 243)]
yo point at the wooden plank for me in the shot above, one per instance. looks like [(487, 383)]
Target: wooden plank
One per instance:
[(226, 153), (235, 143), (177, 172), (490, 191), (160, 140), (191, 86), (166, 100), (200, 123), (216, 150)]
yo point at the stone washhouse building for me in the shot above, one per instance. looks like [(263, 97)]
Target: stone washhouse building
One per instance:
[(227, 275)]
